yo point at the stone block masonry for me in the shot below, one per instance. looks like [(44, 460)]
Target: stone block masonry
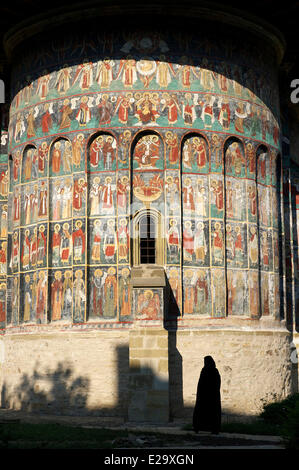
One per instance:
[(148, 381), (143, 374)]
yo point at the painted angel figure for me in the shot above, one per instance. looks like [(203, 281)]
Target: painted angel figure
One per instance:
[(207, 76), (63, 80), (186, 72), (84, 75), (146, 71), (43, 86), (104, 73), (127, 68), (164, 72)]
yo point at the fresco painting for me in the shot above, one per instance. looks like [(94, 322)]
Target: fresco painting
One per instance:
[(103, 293), (95, 142), (61, 292), (148, 304)]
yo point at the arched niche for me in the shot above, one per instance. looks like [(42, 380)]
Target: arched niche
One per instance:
[(234, 158), (236, 228), (29, 164), (61, 157), (147, 151), (263, 167), (195, 153), (147, 172), (102, 152)]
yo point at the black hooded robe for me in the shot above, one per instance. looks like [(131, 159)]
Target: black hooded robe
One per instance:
[(207, 411)]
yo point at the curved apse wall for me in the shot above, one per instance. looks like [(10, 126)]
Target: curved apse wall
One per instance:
[(136, 125)]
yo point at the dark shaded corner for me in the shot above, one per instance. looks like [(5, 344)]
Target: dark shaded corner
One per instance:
[(175, 360)]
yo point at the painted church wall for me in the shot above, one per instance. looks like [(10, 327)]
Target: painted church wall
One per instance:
[(100, 140)]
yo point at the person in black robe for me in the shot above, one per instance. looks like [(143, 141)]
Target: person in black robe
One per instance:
[(207, 410)]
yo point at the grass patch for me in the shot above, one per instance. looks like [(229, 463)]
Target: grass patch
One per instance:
[(256, 428), (284, 415), (26, 435)]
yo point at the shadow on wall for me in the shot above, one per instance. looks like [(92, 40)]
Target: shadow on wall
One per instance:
[(139, 392), (61, 391), (53, 391)]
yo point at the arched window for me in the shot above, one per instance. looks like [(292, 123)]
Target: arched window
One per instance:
[(147, 233), (148, 242)]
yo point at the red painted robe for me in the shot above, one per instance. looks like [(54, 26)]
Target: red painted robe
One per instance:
[(188, 199), (123, 242), (77, 196), (83, 116), (41, 248), (79, 241), (42, 211), (56, 161), (201, 154), (94, 153), (224, 115), (173, 150), (65, 246), (26, 253), (107, 198), (262, 162), (172, 112), (42, 157), (219, 197), (33, 251), (123, 111), (56, 299), (252, 197), (16, 166), (2, 311), (188, 241), (186, 74), (121, 196), (41, 298), (218, 241), (56, 240), (238, 242), (16, 208)]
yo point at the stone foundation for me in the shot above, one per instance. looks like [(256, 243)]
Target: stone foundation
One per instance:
[(255, 368), (149, 384), (143, 374)]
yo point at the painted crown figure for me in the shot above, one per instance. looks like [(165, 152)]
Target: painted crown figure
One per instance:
[(144, 203)]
